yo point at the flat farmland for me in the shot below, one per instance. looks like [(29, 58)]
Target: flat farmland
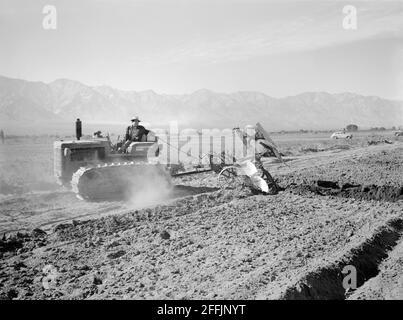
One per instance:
[(341, 205)]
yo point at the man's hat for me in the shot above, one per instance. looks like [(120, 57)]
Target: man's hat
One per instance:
[(136, 118)]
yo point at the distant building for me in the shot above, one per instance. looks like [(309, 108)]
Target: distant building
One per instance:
[(352, 127)]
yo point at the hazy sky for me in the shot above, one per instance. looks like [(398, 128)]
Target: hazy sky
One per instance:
[(279, 48)]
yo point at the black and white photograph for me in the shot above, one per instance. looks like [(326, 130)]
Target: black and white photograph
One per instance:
[(201, 150)]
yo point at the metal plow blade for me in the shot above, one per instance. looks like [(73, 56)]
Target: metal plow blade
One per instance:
[(256, 182)]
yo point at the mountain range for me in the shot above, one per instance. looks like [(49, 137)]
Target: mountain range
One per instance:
[(35, 104)]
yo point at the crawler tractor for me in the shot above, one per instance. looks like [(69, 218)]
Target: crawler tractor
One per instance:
[(95, 170)]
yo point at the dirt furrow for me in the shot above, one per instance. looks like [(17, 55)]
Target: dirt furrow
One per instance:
[(327, 282)]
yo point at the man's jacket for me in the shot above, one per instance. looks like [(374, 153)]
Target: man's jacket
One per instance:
[(135, 133)]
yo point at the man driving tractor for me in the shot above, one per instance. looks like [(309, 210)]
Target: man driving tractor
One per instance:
[(134, 132)]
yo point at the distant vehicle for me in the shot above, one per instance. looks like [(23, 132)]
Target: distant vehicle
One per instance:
[(341, 135), (399, 133)]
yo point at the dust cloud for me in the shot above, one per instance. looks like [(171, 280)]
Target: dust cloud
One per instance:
[(150, 188)]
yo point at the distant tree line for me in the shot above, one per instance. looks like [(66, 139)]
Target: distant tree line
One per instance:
[(354, 127), (383, 128), (378, 129)]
